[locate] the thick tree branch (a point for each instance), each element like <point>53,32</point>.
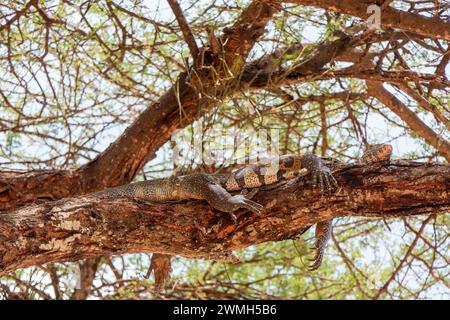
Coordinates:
<point>19,188</point>
<point>390,18</point>
<point>313,64</point>
<point>76,228</point>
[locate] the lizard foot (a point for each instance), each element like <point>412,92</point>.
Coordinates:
<point>240,201</point>
<point>317,260</point>
<point>222,200</point>
<point>245,203</point>
<point>327,183</point>
<point>320,173</point>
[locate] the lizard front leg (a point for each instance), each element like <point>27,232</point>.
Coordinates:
<point>373,154</point>
<point>322,176</point>
<point>320,173</point>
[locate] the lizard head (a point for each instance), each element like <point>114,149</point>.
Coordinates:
<point>377,153</point>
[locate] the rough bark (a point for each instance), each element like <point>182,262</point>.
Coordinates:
<point>19,188</point>
<point>390,18</point>
<point>77,228</point>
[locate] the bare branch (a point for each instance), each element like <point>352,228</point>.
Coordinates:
<point>402,261</point>
<point>425,104</point>
<point>185,29</point>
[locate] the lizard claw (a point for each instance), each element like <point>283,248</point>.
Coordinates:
<point>317,260</point>
<point>316,264</point>
<point>242,202</point>
<point>253,206</point>
<point>323,234</point>
<point>327,183</point>
<point>320,173</point>
<point>233,216</point>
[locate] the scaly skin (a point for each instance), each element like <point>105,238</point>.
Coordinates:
<point>373,154</point>
<point>215,189</point>
<point>276,170</point>
<point>322,236</point>
<point>200,186</point>
<point>376,153</point>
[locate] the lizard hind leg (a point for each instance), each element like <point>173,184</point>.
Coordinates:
<point>222,200</point>
<point>248,195</point>
<point>323,235</point>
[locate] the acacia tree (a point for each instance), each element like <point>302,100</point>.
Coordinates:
<point>92,93</point>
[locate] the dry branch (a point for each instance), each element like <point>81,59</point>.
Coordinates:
<point>185,29</point>
<point>390,17</point>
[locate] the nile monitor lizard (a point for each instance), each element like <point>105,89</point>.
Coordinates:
<point>372,154</point>
<point>216,188</point>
